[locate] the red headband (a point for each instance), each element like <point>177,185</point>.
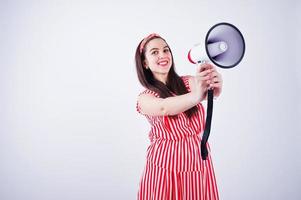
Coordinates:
<point>146,39</point>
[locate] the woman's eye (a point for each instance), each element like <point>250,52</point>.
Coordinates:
<point>166,50</point>
<point>154,52</point>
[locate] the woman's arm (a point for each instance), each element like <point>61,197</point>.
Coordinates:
<point>153,106</point>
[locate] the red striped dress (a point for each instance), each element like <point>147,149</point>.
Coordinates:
<point>174,167</point>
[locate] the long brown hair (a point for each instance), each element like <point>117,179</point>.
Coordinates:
<point>174,83</point>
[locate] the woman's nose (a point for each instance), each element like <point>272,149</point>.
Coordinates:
<point>161,54</point>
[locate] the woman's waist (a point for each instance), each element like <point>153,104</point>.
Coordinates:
<point>172,136</point>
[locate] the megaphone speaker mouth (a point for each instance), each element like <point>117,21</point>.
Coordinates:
<point>225,45</point>
<point>217,48</point>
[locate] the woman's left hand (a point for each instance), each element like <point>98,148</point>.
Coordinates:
<point>215,82</point>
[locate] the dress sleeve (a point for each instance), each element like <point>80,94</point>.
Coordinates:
<point>138,108</point>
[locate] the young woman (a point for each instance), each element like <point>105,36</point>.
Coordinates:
<point>172,104</point>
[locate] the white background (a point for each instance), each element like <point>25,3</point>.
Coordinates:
<point>68,124</point>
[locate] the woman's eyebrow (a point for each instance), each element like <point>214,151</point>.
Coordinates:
<point>153,49</point>
<point>158,48</point>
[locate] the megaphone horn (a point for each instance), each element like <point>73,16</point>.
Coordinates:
<point>224,46</point>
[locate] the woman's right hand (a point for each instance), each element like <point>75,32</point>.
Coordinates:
<point>199,84</point>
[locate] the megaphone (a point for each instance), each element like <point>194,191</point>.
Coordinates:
<point>224,46</point>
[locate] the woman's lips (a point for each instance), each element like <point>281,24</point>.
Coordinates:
<point>163,63</point>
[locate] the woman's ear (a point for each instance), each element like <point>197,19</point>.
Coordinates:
<point>145,65</point>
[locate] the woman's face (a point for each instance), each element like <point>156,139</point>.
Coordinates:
<point>158,57</point>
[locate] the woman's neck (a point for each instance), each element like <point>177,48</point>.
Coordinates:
<point>161,77</point>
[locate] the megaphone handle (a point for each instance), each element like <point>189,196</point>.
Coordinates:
<point>204,150</point>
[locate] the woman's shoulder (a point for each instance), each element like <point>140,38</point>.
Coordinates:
<point>140,96</point>
<point>186,79</point>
